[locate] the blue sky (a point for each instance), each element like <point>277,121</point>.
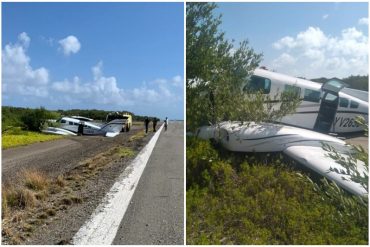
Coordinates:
<point>303,39</point>
<point>111,56</point>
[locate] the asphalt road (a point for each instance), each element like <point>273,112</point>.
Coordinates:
<point>156,212</point>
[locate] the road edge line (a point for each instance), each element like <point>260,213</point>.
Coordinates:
<point>102,226</point>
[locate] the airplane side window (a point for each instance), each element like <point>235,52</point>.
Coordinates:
<point>63,121</point>
<point>311,95</point>
<point>70,123</point>
<point>291,88</point>
<point>343,102</point>
<point>354,104</point>
<point>331,97</point>
<point>256,84</point>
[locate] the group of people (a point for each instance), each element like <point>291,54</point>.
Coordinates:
<point>154,120</point>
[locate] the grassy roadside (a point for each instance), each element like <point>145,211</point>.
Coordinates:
<point>249,200</point>
<point>139,135</point>
<point>34,199</point>
<point>17,137</point>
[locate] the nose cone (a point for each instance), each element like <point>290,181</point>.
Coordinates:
<point>206,132</point>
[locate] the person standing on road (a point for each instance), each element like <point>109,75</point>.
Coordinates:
<point>146,122</point>
<point>165,123</point>
<point>155,120</point>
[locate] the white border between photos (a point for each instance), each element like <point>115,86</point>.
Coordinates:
<point>184,86</point>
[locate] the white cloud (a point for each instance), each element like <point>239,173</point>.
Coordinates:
<point>24,39</point>
<point>178,81</point>
<point>145,95</point>
<point>317,54</point>
<point>166,87</point>
<point>284,60</point>
<point>101,91</point>
<point>73,87</point>
<point>363,21</point>
<point>70,45</point>
<point>312,37</point>
<point>324,17</point>
<point>351,34</point>
<point>286,42</point>
<point>104,90</point>
<point>97,70</point>
<point>17,74</point>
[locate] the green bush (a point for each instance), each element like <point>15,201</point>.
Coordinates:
<point>35,119</point>
<point>234,201</point>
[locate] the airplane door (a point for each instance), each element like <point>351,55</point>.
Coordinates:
<point>329,105</point>
<point>327,111</point>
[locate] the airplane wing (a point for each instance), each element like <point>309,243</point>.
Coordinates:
<point>317,159</point>
<point>58,131</point>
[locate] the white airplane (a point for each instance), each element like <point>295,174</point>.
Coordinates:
<point>328,107</point>
<point>304,146</point>
<point>69,126</point>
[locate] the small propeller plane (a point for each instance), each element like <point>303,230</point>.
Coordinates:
<point>69,126</point>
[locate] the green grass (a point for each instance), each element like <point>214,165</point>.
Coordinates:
<point>238,199</point>
<point>125,152</point>
<point>18,138</point>
<point>139,135</point>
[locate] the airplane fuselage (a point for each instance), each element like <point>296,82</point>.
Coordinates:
<point>324,107</point>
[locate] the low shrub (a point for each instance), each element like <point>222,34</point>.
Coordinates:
<point>17,198</point>
<point>60,181</point>
<point>231,199</point>
<point>35,180</point>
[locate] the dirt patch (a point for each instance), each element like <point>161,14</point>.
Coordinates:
<point>63,203</point>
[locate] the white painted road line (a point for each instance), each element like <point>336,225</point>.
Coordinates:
<point>102,227</point>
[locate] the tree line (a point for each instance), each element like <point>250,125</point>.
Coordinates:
<point>34,119</point>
